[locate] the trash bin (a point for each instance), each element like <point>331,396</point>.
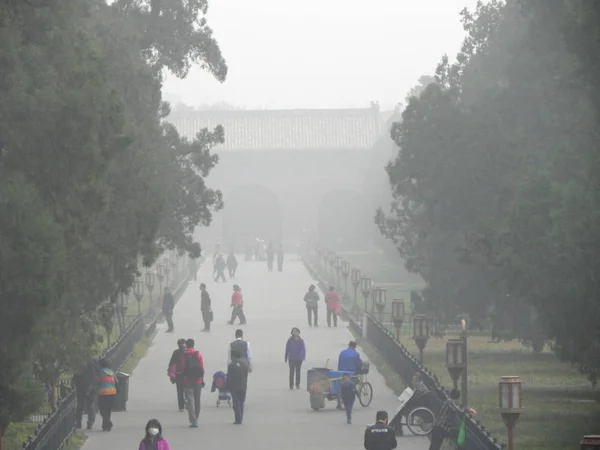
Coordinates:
<point>120,402</point>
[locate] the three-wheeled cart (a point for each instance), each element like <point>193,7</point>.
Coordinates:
<point>324,384</point>
<point>418,418</point>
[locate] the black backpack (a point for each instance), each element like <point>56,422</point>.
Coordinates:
<point>193,370</point>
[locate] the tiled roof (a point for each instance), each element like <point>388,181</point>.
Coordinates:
<point>326,129</point>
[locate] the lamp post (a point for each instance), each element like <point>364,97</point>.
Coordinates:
<point>510,403</point>
<point>338,268</point>
<point>356,279</point>
<point>331,258</point>
<point>138,291</point>
<point>455,360</point>
<point>150,281</point>
<point>380,299</point>
<point>398,315</point>
<point>464,381</point>
<point>420,333</point>
<point>365,286</point>
<point>167,271</point>
<point>345,273</point>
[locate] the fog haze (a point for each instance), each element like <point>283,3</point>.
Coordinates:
<point>323,54</point>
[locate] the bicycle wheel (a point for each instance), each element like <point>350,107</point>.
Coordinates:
<point>420,421</point>
<point>365,393</point>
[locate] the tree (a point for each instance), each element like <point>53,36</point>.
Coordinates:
<point>415,91</point>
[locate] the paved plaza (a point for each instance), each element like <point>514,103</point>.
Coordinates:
<point>275,417</point>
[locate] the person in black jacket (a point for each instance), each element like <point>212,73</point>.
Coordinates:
<point>380,436</point>
<point>86,395</point>
<point>237,383</point>
<point>175,371</point>
<point>205,307</point>
<point>168,306</point>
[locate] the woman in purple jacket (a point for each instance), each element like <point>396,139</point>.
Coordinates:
<point>154,439</point>
<point>295,353</point>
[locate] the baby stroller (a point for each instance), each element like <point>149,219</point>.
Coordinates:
<point>220,384</point>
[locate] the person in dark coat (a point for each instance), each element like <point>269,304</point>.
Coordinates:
<point>295,354</point>
<point>380,436</point>
<point>168,306</point>
<point>280,258</point>
<point>86,394</point>
<point>237,383</point>
<point>232,264</point>
<point>348,393</point>
<point>175,371</point>
<point>446,421</point>
<point>205,307</point>
<point>219,268</point>
<point>311,299</point>
<point>270,257</point>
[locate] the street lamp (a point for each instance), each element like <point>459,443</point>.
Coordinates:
<point>338,267</point>
<point>455,360</point>
<point>380,299</point>
<point>332,265</point>
<point>138,291</point>
<point>166,270</point>
<point>510,403</point>
<point>464,381</point>
<point>150,283</point>
<point>398,315</point>
<point>365,286</point>
<point>420,333</point>
<point>160,273</point>
<point>356,280</point>
<point>345,273</point>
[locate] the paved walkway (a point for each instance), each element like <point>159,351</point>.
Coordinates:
<point>275,417</point>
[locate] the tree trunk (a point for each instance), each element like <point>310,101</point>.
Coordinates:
<point>52,399</point>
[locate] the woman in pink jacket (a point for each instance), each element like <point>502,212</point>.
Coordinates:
<point>154,439</point>
<point>332,300</point>
<point>237,303</point>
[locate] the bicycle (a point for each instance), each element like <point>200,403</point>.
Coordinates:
<point>364,388</point>
<point>419,419</point>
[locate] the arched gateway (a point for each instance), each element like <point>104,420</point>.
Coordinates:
<point>282,172</point>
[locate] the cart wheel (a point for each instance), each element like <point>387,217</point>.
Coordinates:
<point>420,421</point>
<point>365,394</point>
<point>317,401</point>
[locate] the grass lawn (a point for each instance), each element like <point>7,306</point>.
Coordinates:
<point>560,405</point>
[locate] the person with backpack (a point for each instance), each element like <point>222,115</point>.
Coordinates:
<point>193,381</point>
<point>237,383</point>
<point>106,388</point>
<point>175,371</point>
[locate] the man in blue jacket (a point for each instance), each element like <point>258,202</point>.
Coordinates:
<point>349,361</point>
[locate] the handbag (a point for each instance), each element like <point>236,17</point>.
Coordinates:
<point>210,316</point>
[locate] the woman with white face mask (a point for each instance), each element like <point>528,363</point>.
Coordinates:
<point>153,439</point>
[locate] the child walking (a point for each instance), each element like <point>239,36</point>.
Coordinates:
<point>348,394</point>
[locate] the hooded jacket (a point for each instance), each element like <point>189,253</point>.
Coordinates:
<point>187,382</point>
<point>295,350</point>
<point>160,444</point>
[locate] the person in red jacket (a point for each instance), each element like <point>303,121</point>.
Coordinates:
<point>175,371</point>
<point>193,381</point>
<point>237,303</point>
<point>332,300</point>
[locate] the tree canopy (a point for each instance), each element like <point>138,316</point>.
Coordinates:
<point>495,185</point>
<point>92,178</point>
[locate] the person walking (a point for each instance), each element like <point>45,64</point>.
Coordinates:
<point>270,257</point>
<point>154,440</point>
<point>237,383</point>
<point>332,300</point>
<point>206,307</point>
<point>193,380</point>
<point>348,393</point>
<point>106,387</point>
<point>86,395</point>
<point>311,299</point>
<point>295,354</point>
<point>175,371</point>
<point>219,268</point>
<point>380,436</point>
<point>232,264</point>
<point>280,258</point>
<point>447,421</point>
<point>237,303</point>
<point>167,307</point>
<point>242,347</point>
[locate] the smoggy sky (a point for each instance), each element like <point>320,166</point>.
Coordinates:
<point>323,53</point>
